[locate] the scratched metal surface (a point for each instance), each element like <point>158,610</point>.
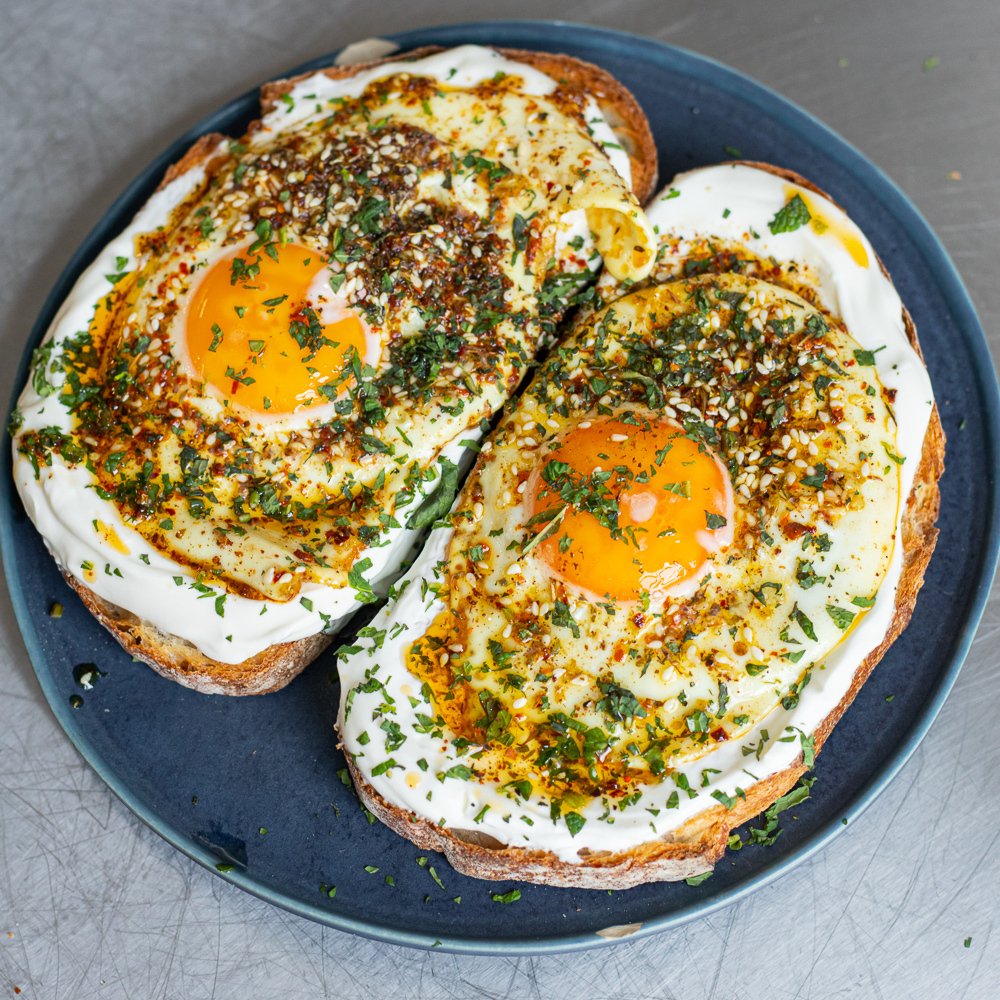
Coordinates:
<point>94,905</point>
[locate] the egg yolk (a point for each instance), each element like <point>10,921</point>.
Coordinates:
<point>636,508</point>
<point>256,332</point>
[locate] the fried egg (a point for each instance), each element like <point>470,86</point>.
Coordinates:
<point>651,591</point>
<point>244,402</point>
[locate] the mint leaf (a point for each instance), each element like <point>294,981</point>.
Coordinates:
<point>842,618</point>
<point>507,897</point>
<point>867,357</point>
<point>792,216</point>
<point>362,588</point>
<point>440,501</point>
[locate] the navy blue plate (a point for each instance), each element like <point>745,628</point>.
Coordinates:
<point>209,773</point>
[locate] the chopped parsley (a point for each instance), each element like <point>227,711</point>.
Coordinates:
<point>793,215</point>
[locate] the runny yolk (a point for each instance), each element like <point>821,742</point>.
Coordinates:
<point>671,496</point>
<point>255,330</point>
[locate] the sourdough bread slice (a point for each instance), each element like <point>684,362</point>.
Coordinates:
<point>271,669</point>
<point>698,844</point>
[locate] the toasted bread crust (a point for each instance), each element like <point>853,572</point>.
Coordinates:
<point>200,154</point>
<point>178,660</point>
<point>699,843</point>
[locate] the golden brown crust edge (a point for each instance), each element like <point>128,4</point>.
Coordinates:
<point>178,660</point>
<point>698,844</point>
<point>199,154</point>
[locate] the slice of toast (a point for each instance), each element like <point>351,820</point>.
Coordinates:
<point>698,844</point>
<point>274,667</point>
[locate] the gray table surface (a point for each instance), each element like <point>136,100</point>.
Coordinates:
<point>92,904</point>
